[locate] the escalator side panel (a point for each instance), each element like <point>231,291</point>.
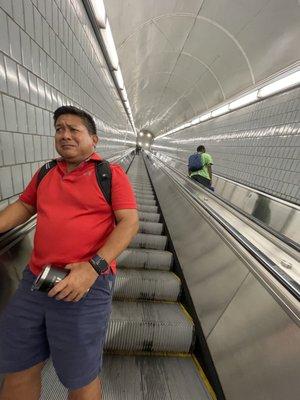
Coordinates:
<point>241,319</point>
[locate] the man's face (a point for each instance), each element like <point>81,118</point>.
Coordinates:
<point>72,139</point>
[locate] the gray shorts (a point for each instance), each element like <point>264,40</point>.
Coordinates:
<point>34,326</point>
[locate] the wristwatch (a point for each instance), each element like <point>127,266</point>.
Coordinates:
<point>99,264</point>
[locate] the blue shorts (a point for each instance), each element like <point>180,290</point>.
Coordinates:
<point>34,326</point>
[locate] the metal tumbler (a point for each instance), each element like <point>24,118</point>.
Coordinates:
<point>49,277</point>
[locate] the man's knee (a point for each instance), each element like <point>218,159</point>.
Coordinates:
<point>17,385</point>
<point>29,374</point>
<point>92,391</point>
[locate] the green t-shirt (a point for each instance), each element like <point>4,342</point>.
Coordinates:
<point>206,159</point>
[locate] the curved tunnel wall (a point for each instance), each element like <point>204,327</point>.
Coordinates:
<point>258,145</point>
<point>49,56</point>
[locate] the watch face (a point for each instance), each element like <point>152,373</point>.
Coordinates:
<point>100,262</point>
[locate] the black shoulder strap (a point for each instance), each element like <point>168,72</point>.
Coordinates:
<point>44,170</point>
<point>103,174</point>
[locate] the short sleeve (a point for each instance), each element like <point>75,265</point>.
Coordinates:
<point>122,195</point>
<point>208,159</point>
<point>29,196</point>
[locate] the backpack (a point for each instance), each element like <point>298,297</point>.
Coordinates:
<point>195,162</point>
<point>103,175</point>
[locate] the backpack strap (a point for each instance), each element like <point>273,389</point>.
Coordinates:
<point>44,170</point>
<point>103,175</point>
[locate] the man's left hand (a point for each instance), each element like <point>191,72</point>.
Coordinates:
<point>75,285</point>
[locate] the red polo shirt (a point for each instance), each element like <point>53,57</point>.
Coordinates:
<point>73,217</point>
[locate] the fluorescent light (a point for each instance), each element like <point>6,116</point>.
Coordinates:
<point>184,126</point>
<point>119,78</point>
<point>140,143</point>
<point>99,12</point>
<point>242,101</point>
<point>124,95</point>
<point>281,84</point>
<point>195,121</point>
<point>204,117</point>
<point>110,46</point>
<point>149,134</point>
<point>147,144</point>
<point>141,134</point>
<point>221,110</point>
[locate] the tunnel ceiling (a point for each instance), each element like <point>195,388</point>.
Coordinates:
<point>182,57</point>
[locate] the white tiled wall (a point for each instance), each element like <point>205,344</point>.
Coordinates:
<point>49,56</point>
<point>258,145</point>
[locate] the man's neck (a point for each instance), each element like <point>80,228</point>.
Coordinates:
<point>73,165</point>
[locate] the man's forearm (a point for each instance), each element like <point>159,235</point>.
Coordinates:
<point>118,240</point>
<point>13,215</point>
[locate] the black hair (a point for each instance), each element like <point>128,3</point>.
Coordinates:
<point>201,148</point>
<point>86,118</point>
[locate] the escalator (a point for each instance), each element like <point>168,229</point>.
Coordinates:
<point>235,284</point>
<point>150,338</point>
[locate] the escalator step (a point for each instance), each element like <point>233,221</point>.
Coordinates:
<point>144,208</point>
<point>146,202</point>
<point>154,228</point>
<point>150,327</point>
<point>146,259</point>
<point>146,285</point>
<point>146,216</point>
<point>138,378</point>
<point>147,241</point>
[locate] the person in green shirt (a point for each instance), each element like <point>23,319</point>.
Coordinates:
<point>204,175</point>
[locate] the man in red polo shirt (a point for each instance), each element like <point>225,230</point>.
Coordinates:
<point>78,230</point>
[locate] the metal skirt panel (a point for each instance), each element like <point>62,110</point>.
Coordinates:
<point>151,217</point>
<point>147,285</point>
<point>145,258</point>
<point>154,228</point>
<point>147,241</point>
<point>150,327</point>
<point>137,378</point>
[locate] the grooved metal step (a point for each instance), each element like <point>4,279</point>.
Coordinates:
<point>138,378</point>
<point>146,216</point>
<point>141,185</point>
<point>145,259</point>
<point>143,191</point>
<point>147,241</point>
<point>146,202</point>
<point>144,208</point>
<point>145,196</point>
<point>154,228</point>
<point>147,285</point>
<point>148,326</point>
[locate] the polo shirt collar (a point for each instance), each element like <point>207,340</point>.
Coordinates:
<point>63,166</point>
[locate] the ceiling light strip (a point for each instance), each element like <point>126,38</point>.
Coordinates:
<point>96,11</point>
<point>276,86</point>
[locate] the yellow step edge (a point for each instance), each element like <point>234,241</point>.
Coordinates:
<point>204,379</point>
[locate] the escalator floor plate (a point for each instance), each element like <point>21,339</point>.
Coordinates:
<point>139,378</point>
